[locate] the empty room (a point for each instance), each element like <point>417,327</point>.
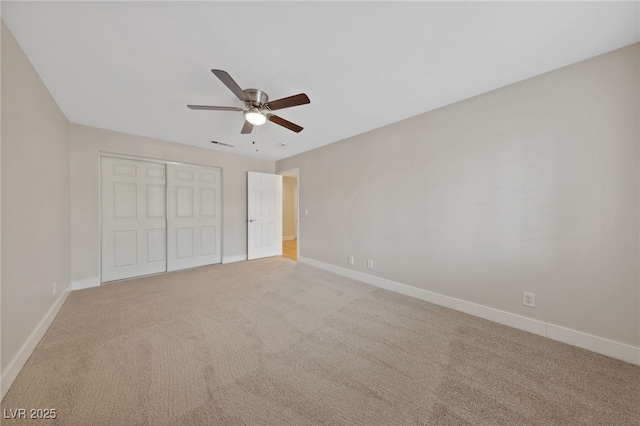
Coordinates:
<point>339,213</point>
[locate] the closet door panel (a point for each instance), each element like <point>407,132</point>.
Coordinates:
<point>194,216</point>
<point>133,218</point>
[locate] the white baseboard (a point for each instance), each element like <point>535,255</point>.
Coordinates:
<point>593,343</point>
<point>16,364</point>
<point>590,342</point>
<point>232,259</point>
<point>86,283</point>
<point>289,238</point>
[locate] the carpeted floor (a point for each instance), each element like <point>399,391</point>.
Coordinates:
<point>277,342</point>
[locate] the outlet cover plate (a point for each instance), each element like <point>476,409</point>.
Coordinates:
<point>529,299</point>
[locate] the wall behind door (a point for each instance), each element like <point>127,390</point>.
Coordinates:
<point>86,143</point>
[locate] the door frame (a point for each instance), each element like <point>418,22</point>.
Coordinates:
<point>159,161</point>
<point>295,173</point>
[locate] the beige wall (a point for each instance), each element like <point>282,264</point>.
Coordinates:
<point>288,206</point>
<point>35,200</point>
<point>532,187</point>
<point>86,145</point>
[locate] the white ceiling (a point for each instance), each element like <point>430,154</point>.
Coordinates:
<point>134,66</point>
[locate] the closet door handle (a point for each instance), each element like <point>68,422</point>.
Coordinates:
<point>252,220</point>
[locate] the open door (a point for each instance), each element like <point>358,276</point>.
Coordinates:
<point>264,208</point>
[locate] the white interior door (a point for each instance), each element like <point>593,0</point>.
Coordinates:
<point>194,216</point>
<point>133,218</point>
<point>264,206</point>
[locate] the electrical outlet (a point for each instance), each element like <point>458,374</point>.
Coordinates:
<point>370,264</point>
<point>54,289</point>
<point>351,260</point>
<point>529,299</point>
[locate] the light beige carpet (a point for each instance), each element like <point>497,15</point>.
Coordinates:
<point>277,342</point>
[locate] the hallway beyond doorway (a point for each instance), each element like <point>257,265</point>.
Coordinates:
<point>290,249</point>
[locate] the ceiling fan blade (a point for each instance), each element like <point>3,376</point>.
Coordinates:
<point>214,108</point>
<point>247,128</point>
<point>284,123</point>
<point>231,84</point>
<point>291,101</point>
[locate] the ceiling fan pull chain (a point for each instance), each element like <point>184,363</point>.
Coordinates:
<point>256,137</point>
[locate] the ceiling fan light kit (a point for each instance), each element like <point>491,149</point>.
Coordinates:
<point>255,117</point>
<point>257,105</point>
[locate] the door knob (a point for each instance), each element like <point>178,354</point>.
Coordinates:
<point>252,220</point>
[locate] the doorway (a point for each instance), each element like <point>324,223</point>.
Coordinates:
<point>290,231</point>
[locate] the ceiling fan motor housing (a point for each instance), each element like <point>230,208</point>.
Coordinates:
<point>256,97</point>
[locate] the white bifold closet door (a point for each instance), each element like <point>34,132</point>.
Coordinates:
<point>158,217</point>
<point>194,220</point>
<point>134,222</point>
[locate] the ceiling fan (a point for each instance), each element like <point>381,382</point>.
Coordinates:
<point>257,105</point>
